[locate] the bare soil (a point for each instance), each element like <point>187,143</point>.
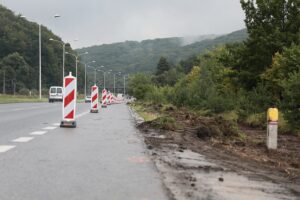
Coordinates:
<point>224,160</point>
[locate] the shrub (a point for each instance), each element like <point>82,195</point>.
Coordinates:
<point>24,91</point>
<point>155,95</point>
<point>291,100</point>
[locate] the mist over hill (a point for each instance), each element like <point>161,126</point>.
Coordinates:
<point>133,56</point>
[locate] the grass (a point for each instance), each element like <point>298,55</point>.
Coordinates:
<point>20,99</point>
<point>147,115</point>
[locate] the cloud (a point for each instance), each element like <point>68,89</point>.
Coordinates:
<point>107,21</point>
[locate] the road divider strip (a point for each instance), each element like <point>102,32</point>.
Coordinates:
<point>23,139</point>
<point>5,148</point>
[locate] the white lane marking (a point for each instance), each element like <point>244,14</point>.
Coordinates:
<point>82,114</point>
<point>5,148</point>
<point>23,139</point>
<point>38,133</point>
<point>50,128</point>
<point>19,109</point>
<point>56,124</point>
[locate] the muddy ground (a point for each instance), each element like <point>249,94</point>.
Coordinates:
<point>198,162</point>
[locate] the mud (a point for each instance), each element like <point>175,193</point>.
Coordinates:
<point>190,175</point>
<point>216,169</point>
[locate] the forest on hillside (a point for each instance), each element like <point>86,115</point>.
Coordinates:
<point>133,56</point>
<point>19,55</point>
<point>239,81</point>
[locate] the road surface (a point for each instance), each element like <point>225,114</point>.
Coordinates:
<point>103,158</point>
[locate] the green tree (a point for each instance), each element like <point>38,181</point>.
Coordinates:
<point>139,85</point>
<point>162,66</point>
<point>291,99</point>
<point>17,70</point>
<point>272,25</point>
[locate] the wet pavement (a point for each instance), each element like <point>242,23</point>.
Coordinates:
<point>104,158</point>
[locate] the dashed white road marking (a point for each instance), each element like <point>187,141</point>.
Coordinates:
<point>50,128</point>
<point>5,148</point>
<point>56,124</point>
<point>23,139</point>
<point>38,133</point>
<point>82,114</point>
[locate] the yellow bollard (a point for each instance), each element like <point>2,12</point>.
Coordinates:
<point>272,128</point>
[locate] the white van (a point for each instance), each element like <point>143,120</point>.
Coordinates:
<point>55,94</point>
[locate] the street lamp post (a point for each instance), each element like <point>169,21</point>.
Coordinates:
<point>125,85</point>
<point>64,50</point>
<point>115,81</point>
<point>40,58</point>
<point>85,66</point>
<point>76,60</point>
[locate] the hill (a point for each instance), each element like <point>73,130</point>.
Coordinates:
<point>133,56</point>
<point>19,57</point>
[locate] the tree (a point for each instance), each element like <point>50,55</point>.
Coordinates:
<point>139,85</point>
<point>162,66</point>
<point>272,25</point>
<point>17,70</point>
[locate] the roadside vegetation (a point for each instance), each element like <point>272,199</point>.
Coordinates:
<point>237,82</point>
<point>20,99</point>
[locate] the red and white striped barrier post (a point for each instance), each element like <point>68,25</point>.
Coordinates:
<point>108,98</point>
<point>69,102</point>
<point>95,99</point>
<point>104,97</point>
<point>111,98</point>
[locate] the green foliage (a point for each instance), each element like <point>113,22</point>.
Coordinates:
<point>272,25</point>
<point>257,120</point>
<point>240,81</point>
<point>166,122</point>
<point>162,66</point>
<point>282,65</point>
<point>139,85</point>
<point>291,99</point>
<point>156,95</point>
<point>19,57</point>
<point>133,57</point>
<point>24,91</point>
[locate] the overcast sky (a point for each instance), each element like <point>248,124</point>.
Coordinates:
<point>108,21</point>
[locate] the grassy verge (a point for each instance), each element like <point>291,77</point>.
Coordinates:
<point>146,114</point>
<point>20,99</point>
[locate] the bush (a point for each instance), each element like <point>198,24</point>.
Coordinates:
<point>24,91</point>
<point>257,120</point>
<point>155,95</point>
<point>139,85</point>
<point>291,100</point>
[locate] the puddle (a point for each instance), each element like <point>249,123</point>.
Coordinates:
<point>191,176</point>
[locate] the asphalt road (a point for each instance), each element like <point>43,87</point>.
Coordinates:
<point>103,158</point>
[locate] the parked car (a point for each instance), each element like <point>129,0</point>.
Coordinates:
<point>55,94</point>
<point>87,99</point>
